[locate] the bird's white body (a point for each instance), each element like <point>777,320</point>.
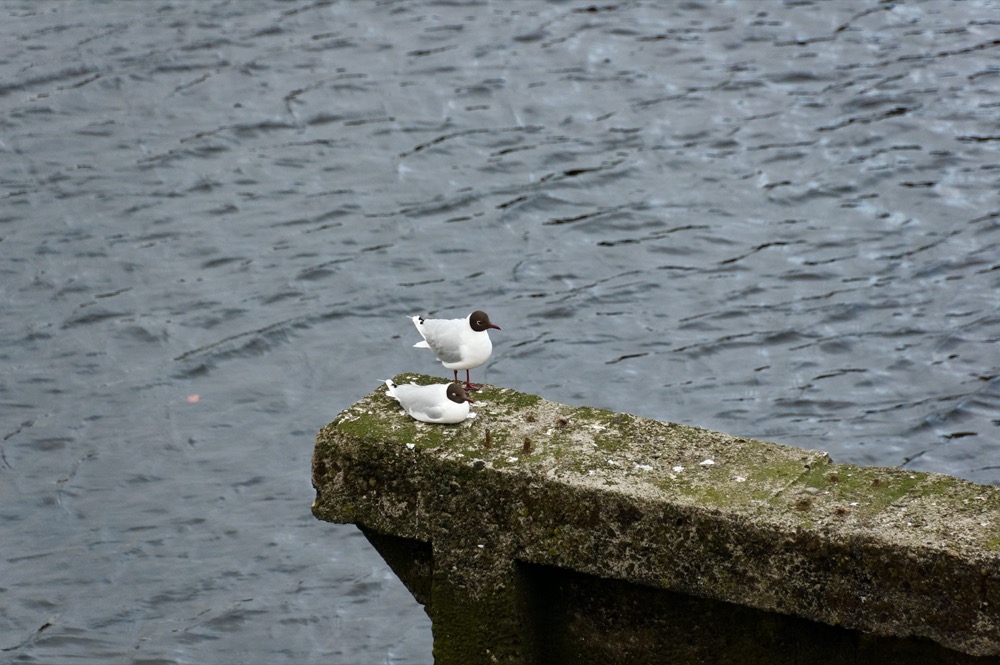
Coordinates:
<point>429,404</point>
<point>458,343</point>
<point>454,342</point>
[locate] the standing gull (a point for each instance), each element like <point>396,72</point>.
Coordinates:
<point>444,403</point>
<point>458,343</point>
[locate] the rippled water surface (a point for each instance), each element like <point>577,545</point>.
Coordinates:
<point>774,219</point>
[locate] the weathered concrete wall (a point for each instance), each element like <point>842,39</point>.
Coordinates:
<point>480,518</point>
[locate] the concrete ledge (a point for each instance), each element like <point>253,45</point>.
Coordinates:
<point>479,518</point>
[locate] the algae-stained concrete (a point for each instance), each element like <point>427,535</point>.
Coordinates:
<point>533,485</point>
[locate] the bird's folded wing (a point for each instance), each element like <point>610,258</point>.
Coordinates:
<point>443,341</point>
<point>434,412</point>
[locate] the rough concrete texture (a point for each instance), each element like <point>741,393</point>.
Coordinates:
<point>617,497</point>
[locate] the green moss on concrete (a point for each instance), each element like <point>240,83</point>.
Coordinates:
<point>868,489</point>
<point>669,506</point>
<point>512,400</point>
<point>491,628</point>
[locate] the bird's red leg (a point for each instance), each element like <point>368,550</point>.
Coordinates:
<point>468,384</point>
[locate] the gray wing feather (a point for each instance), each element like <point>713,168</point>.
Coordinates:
<point>434,413</point>
<point>436,332</point>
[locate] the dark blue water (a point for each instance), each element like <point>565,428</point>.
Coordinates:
<point>775,219</point>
